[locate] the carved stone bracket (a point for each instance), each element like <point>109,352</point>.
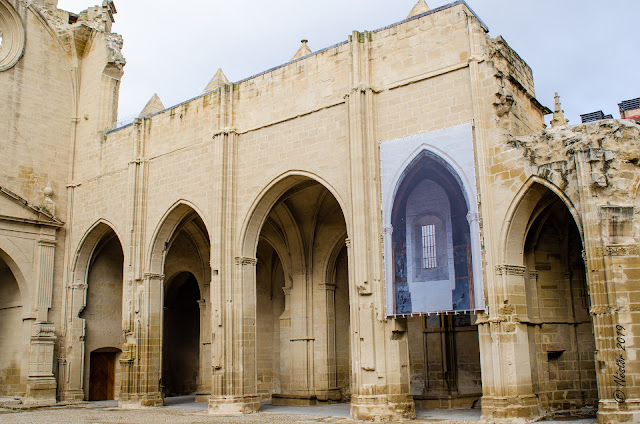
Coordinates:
<point>44,329</point>
<point>246,261</point>
<point>152,276</point>
<point>618,250</point>
<point>510,270</point>
<point>327,286</point>
<point>473,217</point>
<point>225,131</point>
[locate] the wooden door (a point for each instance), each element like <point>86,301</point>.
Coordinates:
<point>102,376</point>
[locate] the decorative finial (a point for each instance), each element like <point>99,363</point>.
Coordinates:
<point>558,114</point>
<point>302,51</point>
<point>420,8</point>
<point>49,204</point>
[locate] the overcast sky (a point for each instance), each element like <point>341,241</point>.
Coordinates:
<point>587,50</point>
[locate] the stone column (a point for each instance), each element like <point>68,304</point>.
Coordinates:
<point>74,381</point>
<point>611,258</point>
<point>616,317</point>
<point>204,378</point>
<point>41,385</point>
<point>507,383</point>
<point>326,368</point>
<point>142,363</point>
<point>285,340</point>
<point>234,388</point>
<point>380,360</point>
<point>301,340</point>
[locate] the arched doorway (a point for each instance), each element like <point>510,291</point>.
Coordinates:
<point>302,296</point>
<point>181,336</point>
<point>433,282</point>
<point>14,334</point>
<point>182,252</point>
<point>561,335</point>
<point>102,314</point>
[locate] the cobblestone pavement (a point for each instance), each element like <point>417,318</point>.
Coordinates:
<point>191,413</point>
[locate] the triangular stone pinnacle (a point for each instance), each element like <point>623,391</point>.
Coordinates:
<point>218,80</point>
<point>153,105</point>
<point>419,8</point>
<point>302,51</point>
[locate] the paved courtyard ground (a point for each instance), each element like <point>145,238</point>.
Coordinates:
<point>182,410</point>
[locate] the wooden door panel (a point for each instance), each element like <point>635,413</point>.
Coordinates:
<point>102,376</point>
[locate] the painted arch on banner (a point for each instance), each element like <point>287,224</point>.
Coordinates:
<point>431,233</point>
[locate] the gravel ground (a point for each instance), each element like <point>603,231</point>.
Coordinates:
<point>97,414</point>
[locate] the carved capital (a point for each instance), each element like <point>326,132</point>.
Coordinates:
<point>44,330</point>
<point>619,250</point>
<point>473,217</point>
<point>225,131</point>
<point>246,261</point>
<point>510,270</point>
<point>153,276</point>
<point>299,271</point>
<point>327,286</point>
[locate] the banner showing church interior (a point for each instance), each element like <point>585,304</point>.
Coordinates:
<point>432,258</point>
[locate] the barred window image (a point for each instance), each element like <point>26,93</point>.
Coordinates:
<point>429,259</point>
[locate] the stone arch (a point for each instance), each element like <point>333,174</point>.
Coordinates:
<point>180,244</point>
<point>545,282</point>
<point>329,261</point>
<point>168,227</point>
<point>16,321</point>
<point>84,253</point>
<point>280,249</point>
<point>519,217</point>
<point>181,351</point>
<point>264,202</point>
<point>18,266</point>
<point>86,332</point>
<point>299,215</point>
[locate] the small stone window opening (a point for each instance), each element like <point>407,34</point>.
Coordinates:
<point>1,39</point>
<point>429,256</point>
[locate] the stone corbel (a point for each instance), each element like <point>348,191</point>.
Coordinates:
<point>510,270</point>
<point>246,261</point>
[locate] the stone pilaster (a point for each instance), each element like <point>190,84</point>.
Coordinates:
<point>142,367</point>
<point>326,378</point>
<point>507,383</point>
<point>204,383</point>
<point>380,378</point>
<point>234,388</point>
<point>41,385</point>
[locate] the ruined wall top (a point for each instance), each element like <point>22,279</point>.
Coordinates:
<point>74,29</point>
<point>610,147</point>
